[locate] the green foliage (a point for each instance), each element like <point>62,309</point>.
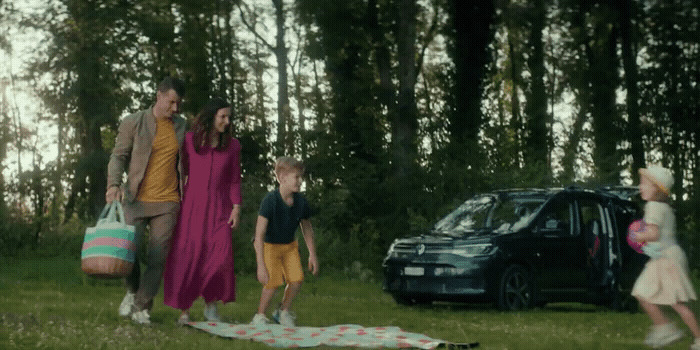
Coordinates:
<point>18,238</point>
<point>15,237</point>
<point>688,234</point>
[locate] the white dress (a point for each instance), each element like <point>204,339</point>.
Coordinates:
<point>664,280</point>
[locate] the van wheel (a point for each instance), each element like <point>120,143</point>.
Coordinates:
<point>515,290</point>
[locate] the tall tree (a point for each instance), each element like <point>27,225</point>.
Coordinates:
<point>284,144</point>
<point>595,25</point>
<point>628,11</point>
<point>470,32</point>
<point>4,141</point>
<point>405,124</point>
<point>513,17</point>
<point>90,44</point>
<point>538,119</point>
<point>472,24</point>
<point>355,172</point>
<point>194,57</point>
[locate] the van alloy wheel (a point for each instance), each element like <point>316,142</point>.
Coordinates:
<point>515,289</point>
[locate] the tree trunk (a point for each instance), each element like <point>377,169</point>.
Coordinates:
<point>516,118</point>
<point>4,140</point>
<point>406,124</point>
<point>675,154</point>
<point>285,141</point>
<point>629,55</point>
<point>195,58</point>
<point>472,21</point>
<point>537,141</point>
<point>38,189</point>
<point>601,55</point>
<point>301,106</point>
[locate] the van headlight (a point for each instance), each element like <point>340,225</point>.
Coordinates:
<point>473,250</point>
<point>391,252</point>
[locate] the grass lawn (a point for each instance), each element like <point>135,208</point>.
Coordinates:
<point>49,304</point>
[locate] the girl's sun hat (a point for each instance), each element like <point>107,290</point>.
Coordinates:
<point>660,176</point>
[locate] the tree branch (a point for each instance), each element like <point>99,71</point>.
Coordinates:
<point>252,30</point>
<point>429,36</point>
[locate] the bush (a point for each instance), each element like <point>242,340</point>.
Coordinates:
<point>15,236</point>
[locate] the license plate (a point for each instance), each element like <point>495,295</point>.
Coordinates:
<point>413,271</point>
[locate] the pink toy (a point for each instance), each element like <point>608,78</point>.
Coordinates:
<point>636,227</point>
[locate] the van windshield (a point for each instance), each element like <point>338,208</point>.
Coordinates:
<point>500,214</point>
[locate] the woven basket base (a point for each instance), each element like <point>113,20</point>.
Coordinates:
<point>106,267</point>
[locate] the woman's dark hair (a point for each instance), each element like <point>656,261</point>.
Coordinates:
<point>204,125</point>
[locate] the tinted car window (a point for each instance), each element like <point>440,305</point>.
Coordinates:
<point>591,216</point>
<point>502,214</point>
<point>558,218</point>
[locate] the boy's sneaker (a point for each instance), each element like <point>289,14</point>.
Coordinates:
<point>287,318</point>
<point>127,304</point>
<point>696,345</point>
<point>663,335</point>
<point>210,313</point>
<point>260,319</point>
<point>141,317</point>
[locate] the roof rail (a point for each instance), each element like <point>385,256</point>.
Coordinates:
<point>621,191</point>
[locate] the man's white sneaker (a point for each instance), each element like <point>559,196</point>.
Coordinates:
<point>210,313</point>
<point>141,317</point>
<point>287,318</point>
<point>695,345</point>
<point>127,304</point>
<point>260,319</point>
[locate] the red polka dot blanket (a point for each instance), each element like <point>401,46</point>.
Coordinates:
<point>341,335</point>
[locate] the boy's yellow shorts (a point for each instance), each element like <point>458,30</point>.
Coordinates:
<point>283,263</point>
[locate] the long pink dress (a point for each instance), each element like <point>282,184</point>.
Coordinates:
<point>200,262</point>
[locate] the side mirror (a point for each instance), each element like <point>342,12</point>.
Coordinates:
<point>551,224</point>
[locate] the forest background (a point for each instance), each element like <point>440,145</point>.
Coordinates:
<point>401,109</point>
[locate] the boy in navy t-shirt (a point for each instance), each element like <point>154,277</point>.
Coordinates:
<point>276,249</point>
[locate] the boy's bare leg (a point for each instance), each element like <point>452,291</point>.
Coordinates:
<point>290,292</point>
<point>265,297</point>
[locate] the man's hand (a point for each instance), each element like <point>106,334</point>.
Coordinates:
<point>313,265</point>
<point>113,193</point>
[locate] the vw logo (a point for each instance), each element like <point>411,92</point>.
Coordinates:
<point>420,249</point>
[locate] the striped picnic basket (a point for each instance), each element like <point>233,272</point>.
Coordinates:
<point>109,247</point>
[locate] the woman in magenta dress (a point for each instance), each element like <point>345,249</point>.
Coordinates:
<point>200,263</point>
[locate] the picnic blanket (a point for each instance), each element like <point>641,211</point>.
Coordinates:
<point>349,335</point>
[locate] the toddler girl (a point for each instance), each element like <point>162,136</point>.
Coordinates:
<point>664,280</point>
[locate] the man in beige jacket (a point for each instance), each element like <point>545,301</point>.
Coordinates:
<point>147,149</point>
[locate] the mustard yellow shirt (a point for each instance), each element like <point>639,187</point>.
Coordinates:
<point>160,181</point>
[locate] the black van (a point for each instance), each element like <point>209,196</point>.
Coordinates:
<point>521,248</point>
